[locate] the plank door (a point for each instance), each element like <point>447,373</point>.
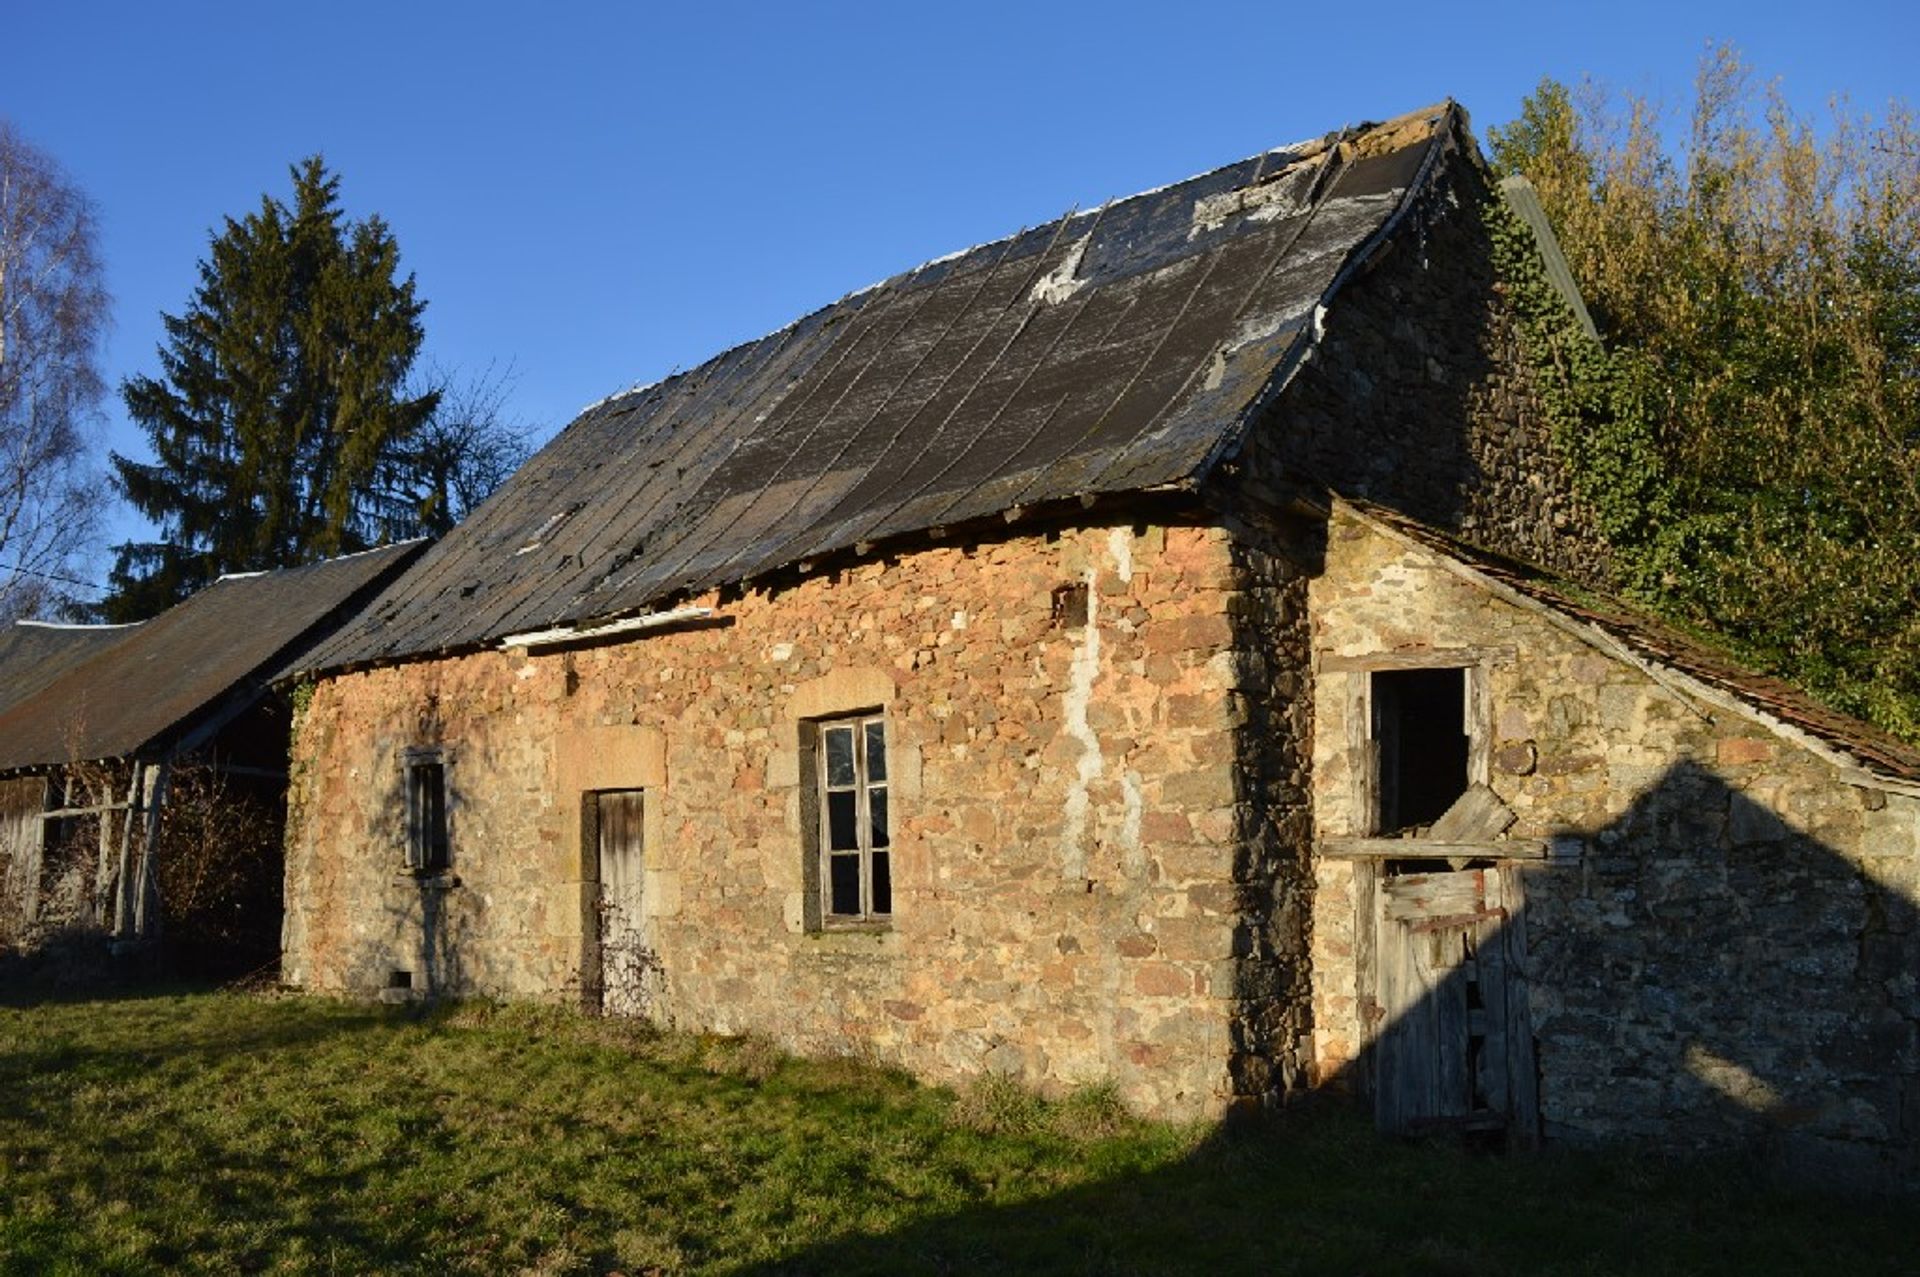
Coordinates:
<point>627,962</point>
<point>1456,1047</point>
<point>22,837</point>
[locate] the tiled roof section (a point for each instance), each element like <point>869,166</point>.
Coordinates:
<point>34,654</point>
<point>125,695</point>
<point>1661,645</point>
<point>1110,351</point>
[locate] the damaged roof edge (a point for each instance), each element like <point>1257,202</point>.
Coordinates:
<point>1450,135</point>
<point>961,388</point>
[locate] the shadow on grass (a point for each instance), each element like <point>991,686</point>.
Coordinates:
<point>72,974</point>
<point>1317,1191</point>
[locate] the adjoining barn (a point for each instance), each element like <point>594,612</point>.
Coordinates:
<point>140,757</point>
<point>1102,655</point>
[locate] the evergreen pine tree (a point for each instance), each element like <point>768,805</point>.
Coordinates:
<point>280,423</point>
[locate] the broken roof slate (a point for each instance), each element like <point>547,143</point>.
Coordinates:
<point>118,697</point>
<point>1113,350</point>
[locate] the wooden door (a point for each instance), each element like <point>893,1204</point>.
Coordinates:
<point>627,963</point>
<point>1455,1049</point>
<point>22,836</point>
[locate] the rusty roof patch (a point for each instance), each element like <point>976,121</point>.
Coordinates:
<point>106,697</point>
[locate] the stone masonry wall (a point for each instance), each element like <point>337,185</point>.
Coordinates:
<point>1419,397</point>
<point>1272,1049</point>
<point>1065,823</point>
<point>1723,949</point>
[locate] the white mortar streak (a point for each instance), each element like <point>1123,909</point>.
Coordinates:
<point>1120,545</point>
<point>1078,696</point>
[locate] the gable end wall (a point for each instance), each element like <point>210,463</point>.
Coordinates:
<point>1724,949</point>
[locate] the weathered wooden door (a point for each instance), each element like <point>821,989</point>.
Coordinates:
<point>1455,1049</point>
<point>22,837</point>
<point>627,963</point>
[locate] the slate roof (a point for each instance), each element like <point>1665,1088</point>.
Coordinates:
<point>1662,645</point>
<point>35,653</point>
<point>116,691</point>
<point>1114,350</point>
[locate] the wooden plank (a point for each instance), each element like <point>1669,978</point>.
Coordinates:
<point>1478,717</point>
<point>1363,755</point>
<point>1523,1083</point>
<point>23,837</point>
<point>1490,970</point>
<point>153,793</point>
<point>123,856</point>
<point>1366,971</point>
<point>63,813</point>
<point>1427,849</point>
<point>1417,659</point>
<point>1442,955</point>
<point>1408,1053</point>
<point>623,950</point>
<point>1460,894</point>
<point>1477,816</point>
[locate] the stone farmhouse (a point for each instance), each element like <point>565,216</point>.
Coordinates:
<point>1138,649</point>
<point>101,726</point>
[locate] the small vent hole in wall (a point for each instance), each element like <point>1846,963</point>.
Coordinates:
<point>399,979</point>
<point>1070,605</point>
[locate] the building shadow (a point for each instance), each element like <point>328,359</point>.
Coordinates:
<point>1698,976</point>
<point>1704,983</point>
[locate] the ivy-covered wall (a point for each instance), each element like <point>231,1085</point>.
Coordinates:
<point>1421,396</point>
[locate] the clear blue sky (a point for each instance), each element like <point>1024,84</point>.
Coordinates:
<point>599,194</point>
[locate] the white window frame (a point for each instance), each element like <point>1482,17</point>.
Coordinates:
<point>863,787</point>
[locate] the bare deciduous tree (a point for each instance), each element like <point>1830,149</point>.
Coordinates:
<point>53,309</point>
<point>467,449</point>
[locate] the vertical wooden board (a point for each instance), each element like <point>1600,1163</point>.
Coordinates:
<point>1478,717</point>
<point>1442,954</point>
<point>1366,972</point>
<point>1523,1083</point>
<point>1396,1097</point>
<point>23,799</point>
<point>1489,956</point>
<point>1362,755</point>
<point>1410,1072</point>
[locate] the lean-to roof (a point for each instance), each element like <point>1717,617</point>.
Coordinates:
<point>35,653</point>
<point>1656,647</point>
<point>130,692</point>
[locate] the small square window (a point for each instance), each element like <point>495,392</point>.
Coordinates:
<point>427,846</point>
<point>854,835</point>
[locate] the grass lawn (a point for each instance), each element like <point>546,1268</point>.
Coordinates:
<point>234,1133</point>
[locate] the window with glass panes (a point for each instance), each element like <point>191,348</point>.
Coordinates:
<point>856,878</point>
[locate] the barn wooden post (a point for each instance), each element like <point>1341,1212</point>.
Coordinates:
<point>153,796</point>
<point>123,877</point>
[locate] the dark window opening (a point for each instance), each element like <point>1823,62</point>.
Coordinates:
<point>1420,733</point>
<point>1072,605</point>
<point>427,815</point>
